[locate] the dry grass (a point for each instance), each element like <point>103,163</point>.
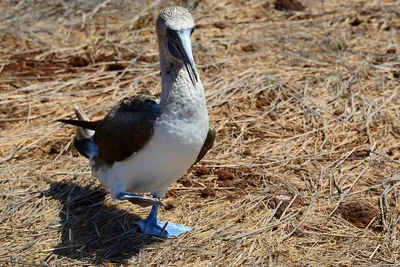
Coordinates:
<point>305,169</point>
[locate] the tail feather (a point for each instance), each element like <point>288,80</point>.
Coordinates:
<point>82,133</point>
<point>91,125</point>
<point>80,114</point>
<point>86,147</point>
<point>83,141</point>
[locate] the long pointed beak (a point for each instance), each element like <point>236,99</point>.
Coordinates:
<point>182,44</point>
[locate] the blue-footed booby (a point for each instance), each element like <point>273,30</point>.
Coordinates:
<point>144,145</point>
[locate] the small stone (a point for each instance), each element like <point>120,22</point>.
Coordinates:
<point>185,182</point>
<point>224,174</point>
<point>208,192</point>
<point>115,67</point>
<point>358,213</point>
<point>248,48</point>
<point>169,206</point>
<point>247,152</point>
<point>391,50</point>
<point>355,22</point>
<point>338,112</point>
<point>79,61</point>
<point>289,5</point>
<point>55,149</point>
<point>220,25</point>
<point>203,170</point>
<point>262,102</point>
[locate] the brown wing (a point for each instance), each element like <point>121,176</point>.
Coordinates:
<point>126,128</point>
<point>208,143</point>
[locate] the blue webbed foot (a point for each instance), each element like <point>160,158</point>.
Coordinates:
<point>140,200</point>
<point>162,229</point>
<point>154,227</point>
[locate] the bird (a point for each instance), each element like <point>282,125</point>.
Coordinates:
<point>144,144</point>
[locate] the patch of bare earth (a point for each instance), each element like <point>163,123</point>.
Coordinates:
<point>305,98</point>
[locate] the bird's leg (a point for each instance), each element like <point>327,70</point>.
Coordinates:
<point>140,200</point>
<point>154,227</point>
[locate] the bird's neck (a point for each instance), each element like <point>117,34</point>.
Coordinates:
<point>178,91</point>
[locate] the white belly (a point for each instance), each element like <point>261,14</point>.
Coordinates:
<point>171,151</point>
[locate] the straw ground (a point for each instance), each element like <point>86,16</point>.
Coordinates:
<point>305,99</point>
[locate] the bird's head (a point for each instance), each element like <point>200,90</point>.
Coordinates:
<point>174,27</point>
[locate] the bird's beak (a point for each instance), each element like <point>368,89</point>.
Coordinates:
<point>181,47</point>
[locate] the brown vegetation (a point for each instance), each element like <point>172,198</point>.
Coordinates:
<point>305,168</point>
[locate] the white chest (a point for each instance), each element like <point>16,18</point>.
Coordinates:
<point>178,137</point>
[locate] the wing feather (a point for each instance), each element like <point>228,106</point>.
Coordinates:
<point>126,128</point>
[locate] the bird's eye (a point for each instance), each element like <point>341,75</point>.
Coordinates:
<point>192,30</point>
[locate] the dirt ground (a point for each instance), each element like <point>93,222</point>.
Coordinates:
<point>305,99</point>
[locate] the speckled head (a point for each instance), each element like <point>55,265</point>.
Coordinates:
<point>175,26</point>
<point>175,18</point>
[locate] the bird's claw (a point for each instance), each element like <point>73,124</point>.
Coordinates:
<point>140,200</point>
